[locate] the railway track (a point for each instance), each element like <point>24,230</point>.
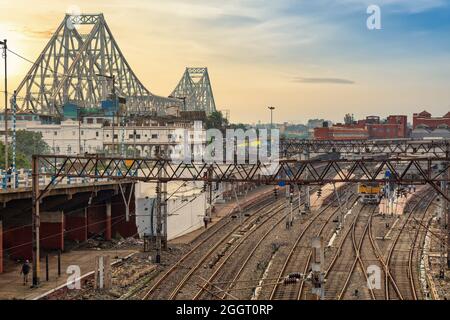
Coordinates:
<point>344,269</point>
<point>232,260</point>
<point>258,248</point>
<point>299,253</point>
<point>197,257</point>
<point>401,259</point>
<point>353,244</point>
<point>201,245</point>
<point>181,273</point>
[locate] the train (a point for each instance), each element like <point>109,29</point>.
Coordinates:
<point>369,192</point>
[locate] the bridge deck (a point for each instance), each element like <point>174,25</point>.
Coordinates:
<point>59,189</point>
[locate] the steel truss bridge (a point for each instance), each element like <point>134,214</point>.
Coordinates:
<point>195,90</point>
<point>293,147</point>
<point>85,67</point>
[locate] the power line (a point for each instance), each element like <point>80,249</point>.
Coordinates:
<point>48,68</point>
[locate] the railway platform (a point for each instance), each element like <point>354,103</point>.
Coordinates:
<point>11,281</point>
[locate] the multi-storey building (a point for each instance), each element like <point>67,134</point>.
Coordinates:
<point>425,120</point>
<point>103,134</point>
<point>394,127</point>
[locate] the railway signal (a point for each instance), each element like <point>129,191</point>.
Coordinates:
<point>317,264</point>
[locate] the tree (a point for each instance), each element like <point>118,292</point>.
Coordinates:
<point>216,120</point>
<point>238,126</point>
<point>348,119</point>
<point>27,144</point>
<point>21,160</point>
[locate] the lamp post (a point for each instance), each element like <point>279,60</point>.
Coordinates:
<point>5,48</point>
<point>271,116</point>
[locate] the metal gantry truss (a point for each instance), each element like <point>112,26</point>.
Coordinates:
<point>72,68</point>
<point>400,170</point>
<point>292,147</point>
<point>196,91</point>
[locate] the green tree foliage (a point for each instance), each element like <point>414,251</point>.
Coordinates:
<point>239,126</point>
<point>27,144</point>
<point>216,120</point>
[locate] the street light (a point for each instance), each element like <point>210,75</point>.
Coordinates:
<point>5,47</point>
<point>271,116</point>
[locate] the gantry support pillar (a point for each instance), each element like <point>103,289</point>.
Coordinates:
<point>108,222</point>
<point>1,246</point>
<point>35,221</point>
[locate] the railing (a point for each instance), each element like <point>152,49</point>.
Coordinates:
<point>23,179</point>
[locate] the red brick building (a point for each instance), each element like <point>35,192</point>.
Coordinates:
<point>394,127</point>
<point>340,133</point>
<point>425,118</point>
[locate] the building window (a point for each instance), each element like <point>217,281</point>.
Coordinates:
<point>130,136</point>
<point>82,132</point>
<point>90,120</point>
<point>154,136</point>
<point>138,136</point>
<point>96,133</point>
<point>55,133</point>
<point>115,136</point>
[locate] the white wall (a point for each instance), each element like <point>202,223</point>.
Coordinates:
<point>185,208</point>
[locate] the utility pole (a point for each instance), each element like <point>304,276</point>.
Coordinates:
<point>5,48</point>
<point>35,220</point>
<point>79,131</point>
<point>161,210</point>
<point>307,197</point>
<point>447,212</point>
<point>14,170</point>
<point>271,125</point>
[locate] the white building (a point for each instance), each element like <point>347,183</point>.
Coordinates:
<point>97,134</point>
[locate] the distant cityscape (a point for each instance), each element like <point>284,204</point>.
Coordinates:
<point>423,126</point>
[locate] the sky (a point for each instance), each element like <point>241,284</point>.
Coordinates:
<point>308,59</point>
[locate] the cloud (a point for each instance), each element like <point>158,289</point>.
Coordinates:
<point>46,34</point>
<point>323,80</point>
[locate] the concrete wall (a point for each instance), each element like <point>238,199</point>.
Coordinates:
<point>76,226</point>
<point>17,242</point>
<point>185,209</point>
